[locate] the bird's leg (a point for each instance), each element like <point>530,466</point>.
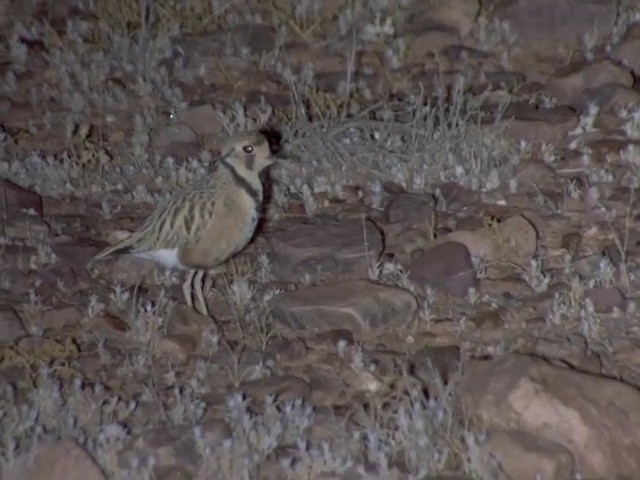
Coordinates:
<point>187,287</point>
<point>200,303</point>
<point>208,281</point>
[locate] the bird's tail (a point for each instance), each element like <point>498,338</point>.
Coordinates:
<point>122,247</point>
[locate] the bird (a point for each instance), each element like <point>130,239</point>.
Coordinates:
<point>208,222</point>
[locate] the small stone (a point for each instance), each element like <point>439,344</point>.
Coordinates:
<point>605,299</point>
<point>165,137</point>
<point>446,267</point>
<point>287,349</point>
<point>176,348</point>
<point>203,120</point>
<point>358,306</point>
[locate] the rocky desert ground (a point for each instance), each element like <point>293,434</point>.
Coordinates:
<point>446,277</point>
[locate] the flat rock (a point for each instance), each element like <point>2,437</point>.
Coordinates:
<point>358,306</point>
<point>282,387</point>
<point>60,460</point>
<point>15,198</point>
<point>595,418</point>
<point>523,455</point>
<point>526,122</point>
<point>342,249</point>
<point>569,84</point>
<point>547,30</point>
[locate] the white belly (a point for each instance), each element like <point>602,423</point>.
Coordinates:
<point>167,257</point>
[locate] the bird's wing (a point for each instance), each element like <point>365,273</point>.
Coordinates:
<point>172,226</point>
<point>177,224</point>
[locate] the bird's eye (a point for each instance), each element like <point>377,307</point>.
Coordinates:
<point>247,149</point>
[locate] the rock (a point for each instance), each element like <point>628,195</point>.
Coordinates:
<point>358,306</point>
<point>24,226</point>
<point>458,14</point>
<point>178,149</point>
<point>18,256</point>
<point>58,460</point>
<point>329,340</point>
<point>57,318</point>
<point>611,97</point>
<point>11,327</point>
<point>326,385</point>
<point>204,54</point>
<point>300,55</point>
<point>533,172</point>
<point>548,31</point>
<point>341,249</point>
<point>54,278</point>
<point>627,50</point>
<point>605,299</point>
<point>287,350</point>
<point>174,448</point>
<point>203,120</point>
<point>77,253</point>
<point>490,319</point>
<point>456,197</point>
<point>443,361</point>
<point>14,198</point>
<point>595,418</point>
<point>522,455</point>
<point>176,348</point>
<point>412,209</point>
<point>446,267</point>
<point>283,387</point>
<point>174,138</point>
<point>428,39</point>
<point>513,240</point>
<point>571,84</point>
<point>526,122</point>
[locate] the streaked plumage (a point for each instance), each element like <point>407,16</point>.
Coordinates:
<point>208,223</point>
